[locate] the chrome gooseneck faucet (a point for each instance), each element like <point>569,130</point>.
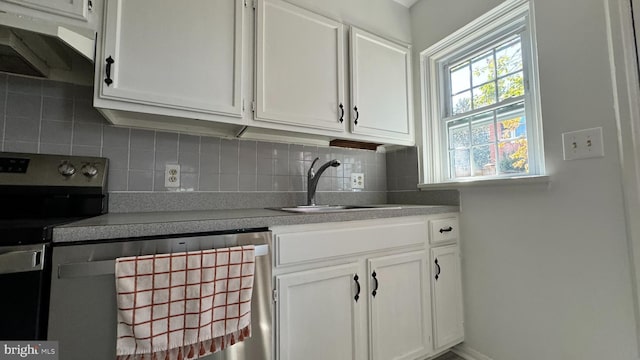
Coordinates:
<point>313,177</point>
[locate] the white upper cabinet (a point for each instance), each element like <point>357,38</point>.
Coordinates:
<point>300,82</point>
<point>381,95</point>
<point>299,67</point>
<point>174,58</point>
<point>51,9</point>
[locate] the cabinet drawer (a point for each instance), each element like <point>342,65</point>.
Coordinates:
<point>305,243</point>
<point>443,230</point>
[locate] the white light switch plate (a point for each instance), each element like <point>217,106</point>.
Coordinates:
<point>583,144</point>
<point>357,181</point>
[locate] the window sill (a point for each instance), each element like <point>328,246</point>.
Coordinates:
<point>519,180</point>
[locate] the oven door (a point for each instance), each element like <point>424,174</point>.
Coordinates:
<point>24,283</point>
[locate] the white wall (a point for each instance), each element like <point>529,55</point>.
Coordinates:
<point>383,17</point>
<point>546,271</point>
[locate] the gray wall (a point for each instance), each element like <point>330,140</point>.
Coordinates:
<point>41,116</point>
<point>546,273</point>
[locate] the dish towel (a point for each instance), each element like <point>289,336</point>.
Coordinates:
<point>183,305</point>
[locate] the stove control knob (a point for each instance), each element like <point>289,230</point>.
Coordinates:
<point>89,170</point>
<point>66,169</point>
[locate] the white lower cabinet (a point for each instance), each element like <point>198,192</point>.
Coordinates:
<point>359,290</point>
<point>447,297</point>
<point>399,306</point>
<point>318,317</point>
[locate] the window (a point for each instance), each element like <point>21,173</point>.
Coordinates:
<point>480,100</point>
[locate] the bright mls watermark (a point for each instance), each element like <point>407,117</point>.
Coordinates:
<point>33,349</point>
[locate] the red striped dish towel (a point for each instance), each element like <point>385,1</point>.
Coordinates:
<point>183,305</point>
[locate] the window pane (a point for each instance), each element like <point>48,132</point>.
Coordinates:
<point>483,130</point>
<point>461,103</point>
<point>509,57</point>
<point>514,157</point>
<point>458,134</point>
<point>460,166</point>
<point>511,86</point>
<point>484,95</point>
<point>511,122</point>
<point>484,160</point>
<point>483,68</point>
<point>460,78</point>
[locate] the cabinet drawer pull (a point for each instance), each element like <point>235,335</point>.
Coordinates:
<point>341,113</point>
<point>447,229</point>
<point>437,270</point>
<point>108,80</point>
<point>375,289</point>
<point>355,278</point>
<point>355,108</point>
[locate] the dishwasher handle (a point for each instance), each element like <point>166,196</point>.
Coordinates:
<point>108,267</point>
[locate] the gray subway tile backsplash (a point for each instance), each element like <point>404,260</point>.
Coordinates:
<point>3,102</point>
<point>84,112</point>
<point>55,149</point>
<point>167,142</point>
<point>87,134</point>
<point>24,85</point>
<point>20,146</point>
<point>142,159</point>
<point>54,117</point>
<point>55,132</point>
<point>86,150</point>
<point>115,137</point>
<point>59,109</point>
<point>209,182</point>
<point>140,180</point>
<point>57,89</point>
<point>189,162</point>
<point>189,143</point>
<point>23,105</point>
<point>118,157</point>
<point>229,182</point>
<point>228,157</point>
<point>22,129</point>
<point>142,139</point>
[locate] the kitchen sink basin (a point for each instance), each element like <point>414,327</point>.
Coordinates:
<point>336,208</point>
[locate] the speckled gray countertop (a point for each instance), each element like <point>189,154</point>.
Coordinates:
<point>131,225</point>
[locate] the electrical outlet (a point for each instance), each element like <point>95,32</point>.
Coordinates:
<point>172,176</point>
<point>583,144</point>
<point>357,181</point>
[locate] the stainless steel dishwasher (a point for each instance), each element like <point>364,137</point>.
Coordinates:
<point>82,313</point>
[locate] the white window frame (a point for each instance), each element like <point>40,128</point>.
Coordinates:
<point>512,16</point>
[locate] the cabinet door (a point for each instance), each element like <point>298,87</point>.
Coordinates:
<point>381,103</point>
<point>299,67</point>
<point>183,55</point>
<point>317,315</point>
<point>447,297</point>
<point>75,9</point>
<point>399,312</point>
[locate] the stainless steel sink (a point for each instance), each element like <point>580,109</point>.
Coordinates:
<point>335,208</point>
